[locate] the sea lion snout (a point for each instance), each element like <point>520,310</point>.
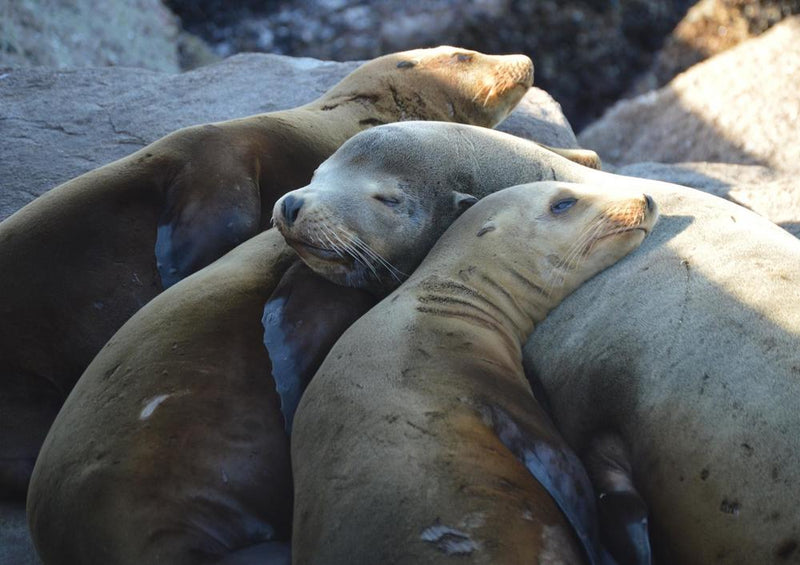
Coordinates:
<point>290,208</point>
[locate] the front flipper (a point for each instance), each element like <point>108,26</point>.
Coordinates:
<point>622,511</point>
<point>269,553</point>
<point>558,469</point>
<point>208,210</point>
<point>302,320</point>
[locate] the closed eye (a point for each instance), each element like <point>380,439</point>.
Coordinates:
<point>463,57</point>
<point>562,205</point>
<point>390,201</point>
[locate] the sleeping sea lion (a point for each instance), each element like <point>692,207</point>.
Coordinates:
<point>172,448</point>
<point>77,262</point>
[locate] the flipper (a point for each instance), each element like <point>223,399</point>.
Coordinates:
<point>302,320</point>
<point>560,472</point>
<point>269,553</point>
<point>622,511</point>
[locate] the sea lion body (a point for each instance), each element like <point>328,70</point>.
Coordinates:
<point>171,447</point>
<point>80,260</point>
<point>419,440</point>
<point>690,352</point>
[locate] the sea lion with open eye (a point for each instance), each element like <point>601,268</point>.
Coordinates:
<point>419,439</point>
<point>688,353</point>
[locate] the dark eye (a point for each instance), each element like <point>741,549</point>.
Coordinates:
<point>390,201</point>
<point>463,57</point>
<point>562,205</point>
<point>406,64</point>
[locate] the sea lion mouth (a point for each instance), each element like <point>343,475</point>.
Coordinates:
<point>621,231</point>
<point>305,248</point>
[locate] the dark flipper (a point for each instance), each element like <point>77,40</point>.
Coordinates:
<point>212,206</point>
<point>269,553</point>
<point>302,320</point>
<point>557,468</point>
<point>622,511</point>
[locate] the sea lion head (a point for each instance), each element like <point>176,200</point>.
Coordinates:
<point>441,83</point>
<point>376,206</point>
<point>547,237</point>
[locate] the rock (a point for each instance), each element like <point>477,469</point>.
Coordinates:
<point>55,125</point>
<point>738,107</point>
<point>86,33</point>
<point>770,193</point>
<point>711,27</point>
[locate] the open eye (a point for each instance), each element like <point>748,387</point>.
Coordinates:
<point>463,57</point>
<point>562,205</point>
<point>390,201</point>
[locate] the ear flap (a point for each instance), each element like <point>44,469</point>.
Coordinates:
<point>462,201</point>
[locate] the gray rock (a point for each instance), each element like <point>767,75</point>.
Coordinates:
<point>87,33</point>
<point>55,125</point>
<point>770,193</point>
<point>740,106</point>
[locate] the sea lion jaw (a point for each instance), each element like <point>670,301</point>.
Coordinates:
<point>474,87</point>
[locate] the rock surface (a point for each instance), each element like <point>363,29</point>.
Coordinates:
<point>740,107</point>
<point>86,33</point>
<point>770,193</point>
<point>55,125</point>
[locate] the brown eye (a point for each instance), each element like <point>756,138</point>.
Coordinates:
<point>463,57</point>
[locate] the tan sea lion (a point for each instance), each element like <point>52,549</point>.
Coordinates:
<point>690,355</point>
<point>80,260</point>
<point>419,440</point>
<point>171,448</point>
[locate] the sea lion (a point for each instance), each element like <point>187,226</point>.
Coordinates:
<point>171,448</point>
<point>691,352</point>
<point>80,260</point>
<point>419,439</point>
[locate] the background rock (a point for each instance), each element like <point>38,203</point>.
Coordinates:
<point>86,33</point>
<point>711,27</point>
<point>741,106</point>
<point>55,125</point>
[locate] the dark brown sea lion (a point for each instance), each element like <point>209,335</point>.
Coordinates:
<point>171,448</point>
<point>77,262</point>
<point>419,440</point>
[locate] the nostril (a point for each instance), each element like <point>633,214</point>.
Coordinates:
<point>649,200</point>
<point>291,208</point>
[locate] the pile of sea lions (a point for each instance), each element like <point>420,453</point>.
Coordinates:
<point>448,349</point>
